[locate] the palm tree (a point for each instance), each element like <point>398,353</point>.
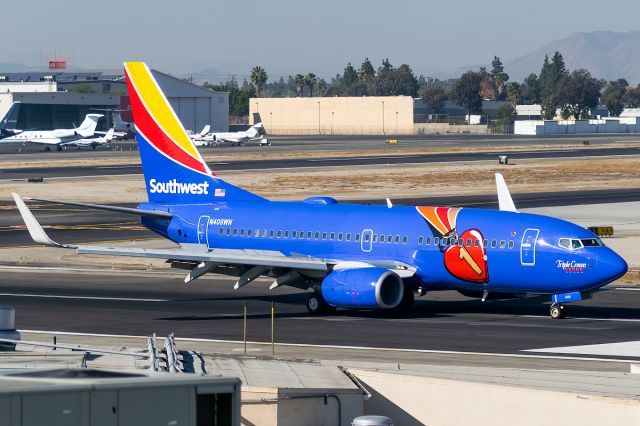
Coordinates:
<point>258,78</point>
<point>299,81</point>
<point>310,80</point>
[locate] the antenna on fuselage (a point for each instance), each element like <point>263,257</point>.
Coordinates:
<point>389,203</point>
<point>504,197</point>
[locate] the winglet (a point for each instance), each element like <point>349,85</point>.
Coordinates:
<point>504,197</point>
<point>35,230</point>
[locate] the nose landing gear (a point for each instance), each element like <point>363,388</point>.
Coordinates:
<point>557,311</point>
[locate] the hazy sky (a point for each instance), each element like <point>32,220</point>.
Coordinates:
<point>287,36</point>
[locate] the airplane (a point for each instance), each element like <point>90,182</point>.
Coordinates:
<point>93,142</point>
<point>254,133</point>
<point>345,255</point>
<point>58,137</point>
<point>9,122</point>
<point>198,138</point>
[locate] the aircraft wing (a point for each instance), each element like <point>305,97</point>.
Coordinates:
<point>201,260</point>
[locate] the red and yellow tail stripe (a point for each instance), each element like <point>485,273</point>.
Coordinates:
<point>156,121</point>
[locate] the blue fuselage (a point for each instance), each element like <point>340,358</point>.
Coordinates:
<point>511,252</point>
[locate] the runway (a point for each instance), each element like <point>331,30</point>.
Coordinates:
<point>146,302</point>
<point>70,224</point>
<point>297,163</point>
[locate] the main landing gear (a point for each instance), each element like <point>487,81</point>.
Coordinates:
<point>316,305</point>
<point>557,311</point>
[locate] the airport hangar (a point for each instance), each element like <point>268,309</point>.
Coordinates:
<point>53,99</point>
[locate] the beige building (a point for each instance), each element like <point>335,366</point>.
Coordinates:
<point>366,115</point>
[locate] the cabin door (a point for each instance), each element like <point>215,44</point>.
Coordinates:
<point>203,224</point>
<point>528,247</point>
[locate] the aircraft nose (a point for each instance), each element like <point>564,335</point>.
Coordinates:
<point>615,265</point>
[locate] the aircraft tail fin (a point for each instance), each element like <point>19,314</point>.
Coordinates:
<point>109,136</point>
<point>205,131</point>
<point>174,171</point>
<point>10,119</point>
<point>88,126</point>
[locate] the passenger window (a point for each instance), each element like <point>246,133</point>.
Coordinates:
<point>286,234</point>
<point>510,244</point>
<point>357,237</point>
<point>249,232</point>
<point>221,231</point>
<point>366,238</point>
<point>375,238</point>
<point>309,234</point>
<point>339,236</point>
<point>494,243</point>
<point>257,233</point>
<point>468,242</point>
<point>503,244</point>
<point>264,232</point>
<point>405,239</point>
<point>271,233</point>
<point>279,234</point>
<point>382,238</point>
<point>294,234</point>
<point>485,243</point>
<point>460,242</point>
<point>428,240</point>
<point>397,239</point>
<point>242,232</point>
<point>390,239</point>
<point>235,232</point>
<point>324,235</point>
<point>332,236</point>
<point>348,236</point>
<point>228,231</point>
<point>420,240</point>
<point>301,235</point>
<point>436,241</point>
<point>476,243</point>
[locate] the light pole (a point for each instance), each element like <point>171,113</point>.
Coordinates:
<point>332,114</point>
<point>383,117</point>
<point>396,122</point>
<point>319,132</point>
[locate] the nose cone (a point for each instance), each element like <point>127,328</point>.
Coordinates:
<point>613,266</point>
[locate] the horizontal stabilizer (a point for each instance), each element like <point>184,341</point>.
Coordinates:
<point>118,209</point>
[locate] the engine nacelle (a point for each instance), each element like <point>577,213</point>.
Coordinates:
<point>370,288</point>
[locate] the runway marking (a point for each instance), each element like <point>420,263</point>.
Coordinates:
<point>590,319</point>
<point>57,296</point>
<point>626,349</point>
<point>306,345</point>
<point>130,166</point>
<point>627,288</point>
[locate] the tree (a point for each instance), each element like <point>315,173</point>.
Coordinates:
<point>349,76</point>
<point>498,76</point>
<point>466,92</point>
<point>632,97</point>
<point>552,73</point>
<point>299,82</point>
<point>310,80</point>
<point>505,115</point>
<point>579,93</point>
<point>513,92</point>
<point>366,71</point>
<point>322,87</point>
<point>258,78</point>
<point>530,90</point>
<point>613,94</point>
<point>404,82</point>
<point>434,97</point>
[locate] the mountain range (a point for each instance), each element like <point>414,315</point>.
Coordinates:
<point>606,54</point>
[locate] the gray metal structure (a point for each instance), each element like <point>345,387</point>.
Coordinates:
<point>70,397</point>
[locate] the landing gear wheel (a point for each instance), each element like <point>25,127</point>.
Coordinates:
<point>58,148</point>
<point>316,305</point>
<point>557,311</point>
<point>47,149</point>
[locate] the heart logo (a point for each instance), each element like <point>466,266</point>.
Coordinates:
<point>469,262</point>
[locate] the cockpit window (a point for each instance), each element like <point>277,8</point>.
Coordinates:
<point>592,242</point>
<point>576,244</point>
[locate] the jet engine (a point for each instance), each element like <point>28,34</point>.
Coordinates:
<point>372,288</point>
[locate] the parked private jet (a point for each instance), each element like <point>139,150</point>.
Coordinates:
<point>9,122</point>
<point>254,134</point>
<point>58,137</point>
<point>345,255</point>
<point>93,142</point>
